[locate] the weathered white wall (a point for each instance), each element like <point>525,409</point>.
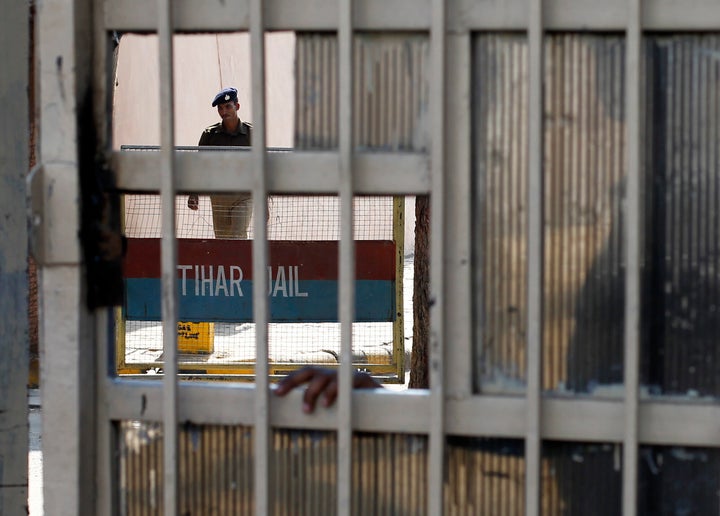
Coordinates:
<point>203,65</point>
<point>14,137</point>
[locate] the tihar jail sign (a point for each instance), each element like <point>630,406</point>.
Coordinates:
<point>215,280</point>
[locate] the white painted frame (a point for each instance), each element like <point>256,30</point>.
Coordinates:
<point>450,406</point>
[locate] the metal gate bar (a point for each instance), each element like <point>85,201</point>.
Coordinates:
<point>533,393</point>
<point>662,422</point>
<point>633,97</point>
<point>168,256</point>
<point>346,257</point>
<point>436,359</point>
<point>260,260</point>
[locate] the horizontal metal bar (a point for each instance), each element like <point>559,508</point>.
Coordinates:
<point>287,172</point>
<point>414,15</point>
<point>239,371</point>
<point>232,405</point>
<point>583,15</point>
<point>232,15</point>
<point>661,423</point>
<point>368,14</point>
<point>589,420</point>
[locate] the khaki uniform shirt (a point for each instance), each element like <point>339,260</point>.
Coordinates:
<point>216,135</point>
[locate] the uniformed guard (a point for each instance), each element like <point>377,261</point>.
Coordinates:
<point>231,131</point>
<point>231,212</point>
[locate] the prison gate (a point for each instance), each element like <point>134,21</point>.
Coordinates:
<point>570,153</point>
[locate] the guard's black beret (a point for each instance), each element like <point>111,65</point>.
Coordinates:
<point>225,95</point>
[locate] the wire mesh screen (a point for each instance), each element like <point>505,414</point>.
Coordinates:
<point>229,347</point>
<point>290,217</point>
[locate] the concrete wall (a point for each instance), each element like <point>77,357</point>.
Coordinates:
<point>13,259</point>
<point>203,65</point>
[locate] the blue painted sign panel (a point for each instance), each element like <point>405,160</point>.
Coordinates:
<point>215,281</point>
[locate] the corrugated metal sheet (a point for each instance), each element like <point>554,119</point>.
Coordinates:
<point>215,462</point>
<point>584,139</point>
<point>484,476</point>
<point>584,270</point>
<point>390,98</point>
<point>389,474</point>
<point>583,479</point>
<point>678,480</point>
<point>683,209</point>
<point>586,479</point>
<point>583,168</point>
<point>216,472</point>
<point>500,171</point>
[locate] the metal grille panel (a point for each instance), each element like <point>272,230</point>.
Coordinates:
<point>673,250</point>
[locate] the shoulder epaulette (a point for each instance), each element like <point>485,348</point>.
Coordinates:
<point>212,128</point>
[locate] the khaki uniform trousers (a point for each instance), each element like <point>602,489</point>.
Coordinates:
<point>231,215</point>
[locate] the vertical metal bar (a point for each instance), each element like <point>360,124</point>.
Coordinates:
<point>533,442</point>
<point>436,457</point>
<point>65,324</point>
<point>633,234</point>
<point>459,207</point>
<point>110,326</point>
<point>107,478</point>
<point>347,255</point>
<point>260,261</point>
<point>399,322</point>
<point>168,256</point>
